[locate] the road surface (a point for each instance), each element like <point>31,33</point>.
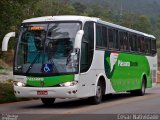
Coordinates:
<point>112,104</point>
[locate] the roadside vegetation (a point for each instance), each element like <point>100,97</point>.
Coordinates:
<point>7,93</point>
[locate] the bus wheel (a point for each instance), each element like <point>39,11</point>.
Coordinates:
<point>141,91</point>
<point>48,101</point>
<point>98,97</point>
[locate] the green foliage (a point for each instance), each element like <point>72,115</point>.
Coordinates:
<point>102,12</point>
<point>157,32</point>
<point>56,7</point>
<point>143,24</point>
<point>128,20</point>
<point>79,8</point>
<point>7,93</point>
<point>13,12</point>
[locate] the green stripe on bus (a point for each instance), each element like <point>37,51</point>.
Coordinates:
<point>49,81</point>
<point>127,72</point>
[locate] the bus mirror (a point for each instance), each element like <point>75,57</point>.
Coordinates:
<point>6,40</point>
<point>78,39</point>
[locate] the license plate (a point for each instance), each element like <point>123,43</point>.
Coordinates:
<point>42,92</point>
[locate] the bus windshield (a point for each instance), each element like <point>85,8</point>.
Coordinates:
<point>45,48</point>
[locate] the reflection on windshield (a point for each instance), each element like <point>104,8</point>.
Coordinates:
<point>44,48</point>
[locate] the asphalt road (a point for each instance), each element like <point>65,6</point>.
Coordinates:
<point>112,104</point>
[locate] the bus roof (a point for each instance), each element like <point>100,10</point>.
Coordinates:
<point>61,18</point>
<point>83,19</point>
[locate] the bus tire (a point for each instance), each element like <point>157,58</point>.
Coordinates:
<point>142,91</point>
<point>48,101</point>
<point>98,97</point>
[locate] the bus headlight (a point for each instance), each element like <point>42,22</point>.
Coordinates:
<point>19,84</point>
<point>67,84</point>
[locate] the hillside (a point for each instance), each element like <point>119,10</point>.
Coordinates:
<point>150,8</point>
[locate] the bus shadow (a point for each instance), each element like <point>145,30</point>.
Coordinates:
<point>119,96</point>
<point>78,103</point>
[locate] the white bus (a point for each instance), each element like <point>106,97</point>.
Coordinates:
<point>81,57</point>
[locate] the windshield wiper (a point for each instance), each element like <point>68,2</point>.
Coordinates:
<point>35,59</point>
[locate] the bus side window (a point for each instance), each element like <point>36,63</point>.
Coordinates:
<point>104,37</point>
<point>126,43</point>
<point>87,47</point>
<point>142,45</point>
<point>101,36</point>
<point>153,46</point>
<point>113,38</point>
<point>98,35</point>
<point>135,49</point>
<point>110,35</point>
<point>116,39</point>
<point>121,40</point>
<point>139,43</point>
<point>147,45</point>
<point>133,42</point>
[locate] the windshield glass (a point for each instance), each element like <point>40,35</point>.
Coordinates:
<point>45,48</point>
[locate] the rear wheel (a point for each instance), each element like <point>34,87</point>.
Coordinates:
<point>141,91</point>
<point>98,97</point>
<point>48,101</point>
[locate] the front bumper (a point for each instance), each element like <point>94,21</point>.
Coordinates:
<point>52,92</point>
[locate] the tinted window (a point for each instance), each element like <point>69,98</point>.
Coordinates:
<point>142,45</point>
<point>148,45</point>
<point>121,36</point>
<point>124,44</point>
<point>133,42</point>
<point>104,36</point>
<point>98,35</point>
<point>153,46</point>
<point>113,38</point>
<point>87,47</point>
<point>101,36</point>
<point>138,43</point>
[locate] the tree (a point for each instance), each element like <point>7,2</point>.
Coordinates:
<point>157,32</point>
<point>56,7</point>
<point>143,24</point>
<point>94,10</point>
<point>12,12</point>
<point>128,20</point>
<point>79,8</point>
<point>102,12</point>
